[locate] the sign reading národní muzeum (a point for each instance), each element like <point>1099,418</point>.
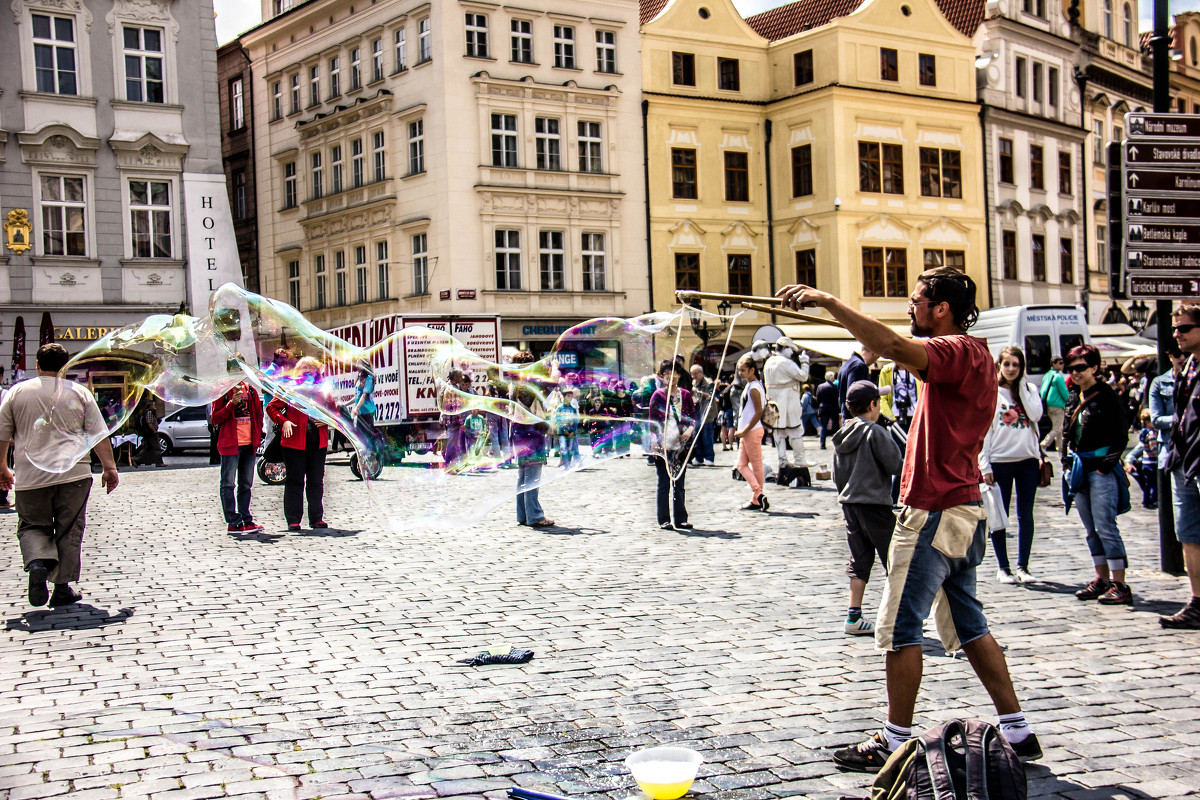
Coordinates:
<point>1161,183</point>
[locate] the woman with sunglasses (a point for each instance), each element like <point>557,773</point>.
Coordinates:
<point>1011,455</point>
<point>1097,432</point>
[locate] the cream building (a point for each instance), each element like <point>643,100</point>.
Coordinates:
<point>468,158</point>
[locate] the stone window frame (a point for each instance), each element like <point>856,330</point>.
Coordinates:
<point>176,194</point>
<point>146,15</point>
<point>23,11</point>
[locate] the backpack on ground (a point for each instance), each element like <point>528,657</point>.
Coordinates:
<point>958,760</point>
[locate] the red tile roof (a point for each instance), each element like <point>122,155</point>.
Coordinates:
<point>788,20</point>
<point>651,8</point>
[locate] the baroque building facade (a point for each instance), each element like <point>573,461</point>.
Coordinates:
<point>108,147</point>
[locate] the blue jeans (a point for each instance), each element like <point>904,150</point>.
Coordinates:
<point>827,426</point>
<point>237,471</point>
<point>1097,505</point>
<point>704,444</point>
<point>529,475</point>
<point>568,448</point>
<point>1025,474</point>
<point>1186,498</point>
<point>671,497</point>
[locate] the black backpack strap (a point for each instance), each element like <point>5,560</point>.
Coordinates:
<point>977,738</point>
<point>936,763</point>
<point>993,769</point>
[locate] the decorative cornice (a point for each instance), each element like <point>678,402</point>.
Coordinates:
<point>142,11</point>
<point>67,6</point>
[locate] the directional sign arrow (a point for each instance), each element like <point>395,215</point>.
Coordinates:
<point>1157,181</point>
<point>1163,153</point>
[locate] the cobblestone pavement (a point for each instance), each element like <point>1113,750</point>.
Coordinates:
<point>323,664</point>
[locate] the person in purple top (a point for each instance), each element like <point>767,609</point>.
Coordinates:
<point>672,423</point>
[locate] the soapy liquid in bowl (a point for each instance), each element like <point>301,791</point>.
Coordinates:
<point>665,780</point>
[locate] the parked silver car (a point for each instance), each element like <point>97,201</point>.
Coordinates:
<point>184,429</point>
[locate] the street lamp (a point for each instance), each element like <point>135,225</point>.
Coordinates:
<point>700,326</point>
<point>1139,315</point>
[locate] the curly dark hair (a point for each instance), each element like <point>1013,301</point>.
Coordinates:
<point>955,287</point>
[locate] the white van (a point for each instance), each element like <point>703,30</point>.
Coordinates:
<point>1042,332</point>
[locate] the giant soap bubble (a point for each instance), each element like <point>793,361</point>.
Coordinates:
<point>449,419</point>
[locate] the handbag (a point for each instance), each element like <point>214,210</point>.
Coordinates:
<point>1047,476</point>
<point>993,503</point>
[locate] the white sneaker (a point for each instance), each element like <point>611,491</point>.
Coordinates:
<point>1022,575</point>
<point>860,627</point>
<point>1005,577</point>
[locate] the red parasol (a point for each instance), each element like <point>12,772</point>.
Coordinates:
<point>46,332</point>
<point>18,359</point>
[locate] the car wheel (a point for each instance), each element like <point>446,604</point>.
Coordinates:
<point>164,443</point>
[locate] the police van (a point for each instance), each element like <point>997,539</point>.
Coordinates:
<point>1041,331</point>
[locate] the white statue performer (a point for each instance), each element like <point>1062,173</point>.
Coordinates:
<point>784,378</point>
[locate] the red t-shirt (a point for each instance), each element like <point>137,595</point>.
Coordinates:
<point>954,413</point>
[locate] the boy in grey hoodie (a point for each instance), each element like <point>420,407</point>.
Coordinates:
<point>864,460</point>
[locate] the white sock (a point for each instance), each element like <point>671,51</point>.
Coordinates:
<point>1014,728</point>
<point>896,736</point>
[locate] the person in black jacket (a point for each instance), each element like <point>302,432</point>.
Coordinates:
<point>829,406</point>
<point>1097,432</point>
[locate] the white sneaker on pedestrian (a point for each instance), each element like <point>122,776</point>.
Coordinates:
<point>1004,576</point>
<point>1022,575</point>
<point>860,627</point>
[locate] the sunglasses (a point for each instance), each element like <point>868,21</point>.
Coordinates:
<point>1078,368</point>
<point>1186,327</point>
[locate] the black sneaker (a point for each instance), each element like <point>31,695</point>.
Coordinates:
<point>39,593</point>
<point>1118,594</point>
<point>294,527</point>
<point>64,596</point>
<point>1187,618</point>
<point>870,756</point>
<point>1097,587</point>
<point>1028,749</point>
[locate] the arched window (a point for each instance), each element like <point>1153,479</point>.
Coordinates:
<point>1108,20</point>
<point>1192,49</point>
<point>1127,30</point>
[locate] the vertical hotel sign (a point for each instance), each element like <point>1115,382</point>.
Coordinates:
<point>212,249</point>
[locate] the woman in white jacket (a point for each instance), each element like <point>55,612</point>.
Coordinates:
<point>1012,455</point>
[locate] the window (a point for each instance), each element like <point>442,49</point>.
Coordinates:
<point>319,274</point>
<point>143,65</point>
<point>294,284</point>
<point>547,143</point>
<point>335,167</point>
<point>687,271</point>
<point>806,267</point>
<point>296,94</point>
<point>1101,248</point>
<point>872,268</point>
<point>728,78</point>
<point>376,60</point>
<point>1098,141</point>
<point>291,196</point>
<point>802,182</point>
<point>356,163</point>
<point>1006,160</point>
<point>1037,82</point>
<point>424,42</point>
<point>738,267</point>
<point>1180,105</point>
<point>737,177</point>
<point>606,51</point>
<point>880,167</point>
<point>335,76</point>
<point>550,260</point>
<point>1052,87</point>
<point>276,100</point>
<point>1127,25</point>
<point>941,172</point>
<point>379,155</point>
<point>594,271</point>
<point>1037,179</point>
<point>956,259</point>
<point>1064,172</point>
<point>683,69</point>
<point>355,69</point>
<point>316,175</point>
<point>589,147</point>
<point>54,54</point>
<point>802,66</point>
<point>239,194</point>
<point>477,41</point>
<point>314,86</point>
<point>1066,261</point>
<point>1118,133</point>
<point>889,67</point>
<point>382,278</point>
<point>339,276</point>
<point>416,146</point>
<point>683,173</point>
<point>504,140</point>
<point>508,260</point>
<point>1108,19</point>
<point>237,105</point>
<point>564,47</point>
<point>1039,257</point>
<point>64,215</point>
<point>401,50</point>
<point>885,272</point>
<point>1008,245</point>
<point>360,273</point>
<point>1020,77</point>
<point>1037,7</point>
<point>522,41</point>
<point>927,69</point>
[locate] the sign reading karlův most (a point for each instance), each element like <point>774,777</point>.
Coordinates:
<point>1161,185</point>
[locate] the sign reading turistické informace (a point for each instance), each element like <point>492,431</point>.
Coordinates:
<point>1160,205</point>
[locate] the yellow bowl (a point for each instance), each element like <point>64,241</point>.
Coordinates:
<point>664,773</point>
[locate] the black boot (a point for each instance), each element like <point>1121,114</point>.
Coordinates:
<point>64,595</point>
<point>38,591</point>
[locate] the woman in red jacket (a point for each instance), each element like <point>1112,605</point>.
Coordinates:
<point>304,442</point>
<point>238,417</point>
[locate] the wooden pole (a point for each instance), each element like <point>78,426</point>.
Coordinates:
<point>783,312</point>
<point>685,295</point>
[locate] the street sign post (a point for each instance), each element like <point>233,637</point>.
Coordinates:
<point>1160,205</point>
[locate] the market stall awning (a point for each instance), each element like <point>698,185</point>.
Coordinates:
<point>830,340</point>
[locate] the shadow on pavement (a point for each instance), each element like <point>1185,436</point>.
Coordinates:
<point>562,530</point>
<point>717,534</point>
<point>794,514</point>
<point>79,617</point>
<point>1044,783</point>
<point>1164,608</point>
<point>331,533</point>
<point>1053,587</point>
<point>262,537</point>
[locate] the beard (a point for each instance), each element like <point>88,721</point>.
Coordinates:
<point>919,331</point>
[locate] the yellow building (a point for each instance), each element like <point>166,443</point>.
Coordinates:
<point>843,152</point>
